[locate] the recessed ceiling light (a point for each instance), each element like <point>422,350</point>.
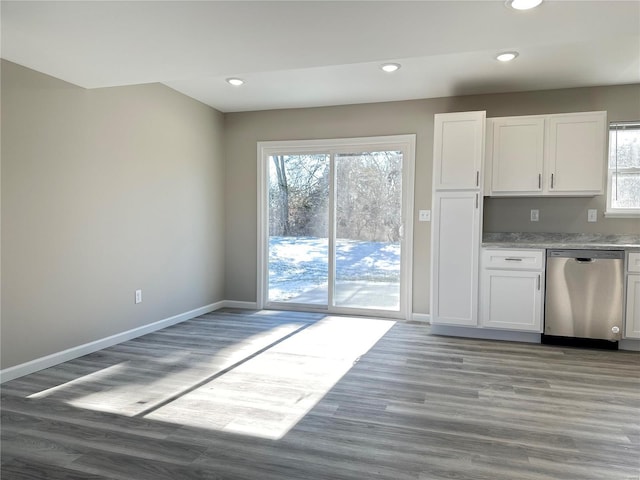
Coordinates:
<point>523,4</point>
<point>390,67</point>
<point>506,56</point>
<point>236,82</point>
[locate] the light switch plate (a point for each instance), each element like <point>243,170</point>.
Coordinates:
<point>592,215</point>
<point>535,215</point>
<point>424,215</point>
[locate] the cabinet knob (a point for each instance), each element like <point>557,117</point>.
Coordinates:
<point>615,329</point>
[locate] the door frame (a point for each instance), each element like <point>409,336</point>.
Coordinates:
<point>406,144</point>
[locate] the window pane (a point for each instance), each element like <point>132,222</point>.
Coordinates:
<point>625,190</point>
<point>368,230</point>
<point>624,148</point>
<point>298,228</point>
<point>624,153</point>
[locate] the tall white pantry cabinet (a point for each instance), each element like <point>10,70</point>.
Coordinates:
<point>458,154</point>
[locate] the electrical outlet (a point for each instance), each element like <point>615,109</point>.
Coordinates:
<point>535,215</point>
<point>424,215</point>
<point>138,296</point>
<point>592,215</point>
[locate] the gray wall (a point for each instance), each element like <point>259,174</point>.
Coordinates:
<point>104,192</point>
<point>107,191</point>
<point>243,130</point>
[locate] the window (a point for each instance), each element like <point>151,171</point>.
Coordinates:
<point>623,192</point>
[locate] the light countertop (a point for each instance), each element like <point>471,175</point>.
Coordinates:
<point>592,241</point>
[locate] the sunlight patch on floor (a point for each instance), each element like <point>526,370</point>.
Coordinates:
<point>269,394</point>
<point>134,386</point>
<point>78,383</point>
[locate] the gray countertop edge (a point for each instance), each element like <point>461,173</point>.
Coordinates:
<point>546,245</point>
<point>560,240</point>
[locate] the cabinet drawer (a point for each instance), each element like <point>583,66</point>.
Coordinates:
<point>513,259</point>
<point>633,264</point>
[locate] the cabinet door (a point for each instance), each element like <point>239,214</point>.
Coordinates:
<point>517,155</point>
<point>455,246</point>
<point>512,300</point>
<point>458,147</point>
<point>632,329</point>
<point>577,153</point>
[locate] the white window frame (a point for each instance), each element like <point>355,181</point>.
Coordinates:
<point>611,211</point>
<point>405,143</point>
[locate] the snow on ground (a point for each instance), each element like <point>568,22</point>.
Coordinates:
<point>299,264</point>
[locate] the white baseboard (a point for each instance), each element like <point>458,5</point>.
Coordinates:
<point>236,304</point>
<point>421,317</point>
<point>75,352</point>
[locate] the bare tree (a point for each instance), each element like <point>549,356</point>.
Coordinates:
<point>368,202</point>
<point>283,189</point>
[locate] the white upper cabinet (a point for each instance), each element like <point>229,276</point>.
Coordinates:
<point>518,155</point>
<point>553,155</point>
<point>577,153</point>
<point>458,150</point>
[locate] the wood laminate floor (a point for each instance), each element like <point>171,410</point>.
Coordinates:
<point>283,395</point>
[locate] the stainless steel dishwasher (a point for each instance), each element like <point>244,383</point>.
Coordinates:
<point>584,296</point>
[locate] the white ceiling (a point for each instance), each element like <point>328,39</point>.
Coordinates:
<point>316,53</point>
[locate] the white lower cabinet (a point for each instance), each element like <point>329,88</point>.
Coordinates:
<point>455,248</point>
<point>632,329</point>
<point>632,317</point>
<point>511,289</point>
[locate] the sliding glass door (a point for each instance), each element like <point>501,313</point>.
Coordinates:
<point>332,224</point>
<point>368,229</point>
<point>298,267</point>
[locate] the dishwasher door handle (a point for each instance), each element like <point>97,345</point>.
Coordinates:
<point>585,260</point>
